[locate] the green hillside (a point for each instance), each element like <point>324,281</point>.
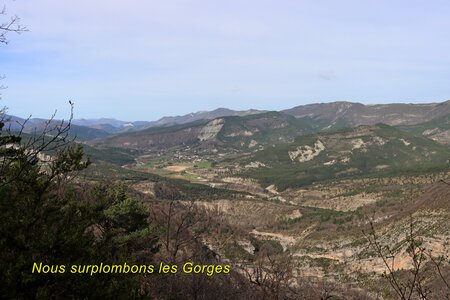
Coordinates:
<point>437,129</point>
<point>270,128</point>
<point>362,151</point>
<point>243,133</point>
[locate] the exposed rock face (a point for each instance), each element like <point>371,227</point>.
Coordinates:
<point>357,144</point>
<point>442,137</point>
<point>252,144</point>
<point>329,163</point>
<point>439,135</point>
<point>306,153</point>
<point>241,133</point>
<point>168,137</point>
<point>272,189</point>
<point>405,142</point>
<point>210,130</point>
<point>255,164</point>
<point>379,141</point>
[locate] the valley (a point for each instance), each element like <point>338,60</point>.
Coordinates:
<point>227,150</point>
<point>303,189</point>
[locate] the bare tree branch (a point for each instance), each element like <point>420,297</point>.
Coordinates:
<point>10,25</point>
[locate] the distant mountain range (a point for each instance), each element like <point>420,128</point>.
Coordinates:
<point>322,116</point>
<point>36,125</point>
<point>117,126</point>
<point>90,129</point>
<point>354,114</point>
<point>244,132</point>
<point>203,115</point>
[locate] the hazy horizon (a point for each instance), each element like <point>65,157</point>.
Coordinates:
<point>59,116</point>
<point>147,59</point>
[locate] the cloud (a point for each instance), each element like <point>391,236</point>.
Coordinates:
<point>326,75</point>
<point>235,51</point>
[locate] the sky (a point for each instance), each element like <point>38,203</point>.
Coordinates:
<point>144,59</point>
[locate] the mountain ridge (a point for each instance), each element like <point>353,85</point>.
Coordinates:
<point>355,114</point>
<point>334,114</point>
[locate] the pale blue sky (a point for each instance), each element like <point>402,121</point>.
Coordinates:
<point>140,60</point>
